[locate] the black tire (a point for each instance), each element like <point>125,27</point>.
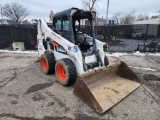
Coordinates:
<point>106,61</point>
<point>65,71</point>
<point>47,63</point>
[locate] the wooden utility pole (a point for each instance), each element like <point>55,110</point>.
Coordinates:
<point>107,11</point>
<point>1,13</point>
<point>159,14</point>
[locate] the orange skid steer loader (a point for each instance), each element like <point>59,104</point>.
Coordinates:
<point>77,57</point>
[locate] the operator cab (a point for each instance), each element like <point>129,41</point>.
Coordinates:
<point>70,24</point>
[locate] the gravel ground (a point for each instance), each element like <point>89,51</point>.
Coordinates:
<point>27,94</point>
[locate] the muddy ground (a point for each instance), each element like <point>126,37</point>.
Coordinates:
<point>27,94</point>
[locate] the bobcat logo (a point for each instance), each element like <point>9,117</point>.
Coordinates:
<point>75,49</point>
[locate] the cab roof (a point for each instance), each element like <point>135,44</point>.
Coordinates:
<point>68,12</point>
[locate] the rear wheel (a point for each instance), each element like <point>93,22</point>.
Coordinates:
<point>65,71</point>
<point>48,63</point>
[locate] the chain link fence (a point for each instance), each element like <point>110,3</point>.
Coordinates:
<point>121,38</point>
<point>18,33</point>
<point>129,38</point>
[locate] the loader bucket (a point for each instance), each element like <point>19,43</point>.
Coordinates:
<point>104,88</point>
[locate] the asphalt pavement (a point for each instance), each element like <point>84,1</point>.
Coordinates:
<point>27,94</point>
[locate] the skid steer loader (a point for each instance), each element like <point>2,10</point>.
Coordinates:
<point>78,57</point>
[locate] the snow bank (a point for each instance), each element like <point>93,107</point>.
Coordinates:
<point>148,69</point>
<point>116,54</point>
<point>137,53</point>
<point>154,54</point>
<point>21,52</point>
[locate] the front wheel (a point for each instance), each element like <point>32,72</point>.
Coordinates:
<point>65,71</point>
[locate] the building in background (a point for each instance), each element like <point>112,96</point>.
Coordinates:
<point>102,22</point>
<point>149,21</point>
<point>34,21</point>
<point>25,22</point>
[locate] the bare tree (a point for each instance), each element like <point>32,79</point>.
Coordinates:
<point>129,17</point>
<point>51,15</point>
<point>142,16</point>
<point>153,17</point>
<point>15,11</point>
<point>124,18</point>
<point>89,4</point>
<point>119,16</point>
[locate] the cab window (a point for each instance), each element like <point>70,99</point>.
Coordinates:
<point>66,25</point>
<point>58,25</point>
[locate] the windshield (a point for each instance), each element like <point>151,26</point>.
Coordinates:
<point>83,25</point>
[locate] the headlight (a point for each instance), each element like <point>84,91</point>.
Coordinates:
<point>105,47</point>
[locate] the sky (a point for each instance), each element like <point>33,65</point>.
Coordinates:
<point>41,8</point>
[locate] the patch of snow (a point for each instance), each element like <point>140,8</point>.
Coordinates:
<point>148,69</point>
<point>154,54</point>
<point>21,52</point>
<point>116,54</point>
<point>137,53</point>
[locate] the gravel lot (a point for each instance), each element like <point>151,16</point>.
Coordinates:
<point>27,94</point>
